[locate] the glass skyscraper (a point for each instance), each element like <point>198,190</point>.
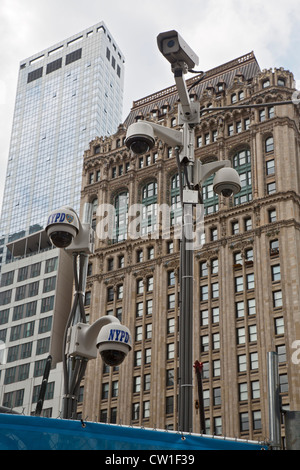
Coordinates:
<point>67,95</point>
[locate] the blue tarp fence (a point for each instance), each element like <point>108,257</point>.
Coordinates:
<point>18,432</point>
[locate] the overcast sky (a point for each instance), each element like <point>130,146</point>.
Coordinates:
<point>217,30</point>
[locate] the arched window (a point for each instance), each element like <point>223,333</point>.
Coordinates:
<point>269,144</point>
<point>242,164</point>
<point>121,217</point>
<point>149,208</point>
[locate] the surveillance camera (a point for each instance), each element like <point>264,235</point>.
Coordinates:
<point>176,50</point>
<point>227,182</point>
<point>140,138</point>
<point>114,343</point>
<point>62,227</point>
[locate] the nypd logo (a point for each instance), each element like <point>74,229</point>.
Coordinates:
<point>118,335</point>
<point>60,217</point>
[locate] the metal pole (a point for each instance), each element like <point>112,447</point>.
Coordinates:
<point>74,368</point>
<point>198,369</point>
<point>274,401</point>
<point>43,388</point>
<point>185,423</point>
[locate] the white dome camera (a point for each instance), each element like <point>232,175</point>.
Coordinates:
<point>114,343</point>
<point>62,226</point>
<point>140,138</point>
<point>227,182</point>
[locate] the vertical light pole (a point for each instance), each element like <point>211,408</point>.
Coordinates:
<point>81,340</point>
<point>182,60</point>
<point>140,138</point>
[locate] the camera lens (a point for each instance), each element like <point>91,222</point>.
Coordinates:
<point>171,43</point>
<point>140,146</point>
<point>113,358</point>
<point>227,192</point>
<point>61,239</point>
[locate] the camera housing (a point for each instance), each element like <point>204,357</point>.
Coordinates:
<point>114,343</point>
<point>226,182</point>
<point>176,50</point>
<point>140,138</point>
<point>62,226</point>
<point>106,336</point>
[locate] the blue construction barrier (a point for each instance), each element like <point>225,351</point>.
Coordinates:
<point>19,432</point>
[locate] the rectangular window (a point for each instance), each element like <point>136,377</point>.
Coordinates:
<point>35,74</point>
<point>20,293</point>
<point>241,336</point>
<point>35,270</point>
<point>171,301</point>
<point>47,304</point>
<point>217,396</point>
<point>170,351</point>
<point>170,377</point>
<point>7,279</point>
<point>250,281</point>
<point>55,65</point>
<point>279,326</point>
<point>239,284</point>
<point>215,290</point>
<point>239,309</point>
<point>203,293</point>
<point>276,273</point>
<point>255,389</point>
<point>139,286</point>
<point>251,307</point>
<point>139,309</point>
<point>244,421</point>
<point>51,265</point>
<point>215,314</point>
<point>169,405</point>
<point>253,361</point>
<point>73,56</point>
<point>149,284</point>
<point>49,284</point>
<point>149,306</point>
<point>242,363</point>
<point>204,317</point>
<point>252,333</point>
<point>256,420</point>
<point>33,289</point>
<point>243,391</point>
<point>146,409</point>
<point>277,299</point>
<point>270,166</point>
<point>110,294</point>
<point>138,333</point>
<point>137,384</point>
<point>4,314</point>
<point>135,411</point>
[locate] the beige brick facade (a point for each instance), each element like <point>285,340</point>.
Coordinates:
<point>246,276</point>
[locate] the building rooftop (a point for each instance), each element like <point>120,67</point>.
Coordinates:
<point>246,66</point>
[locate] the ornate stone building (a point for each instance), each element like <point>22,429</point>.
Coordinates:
<point>246,275</point>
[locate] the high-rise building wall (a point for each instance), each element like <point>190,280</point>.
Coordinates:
<point>35,301</point>
<point>246,275</point>
<point>66,95</point>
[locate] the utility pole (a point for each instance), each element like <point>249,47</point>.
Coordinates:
<point>198,366</point>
